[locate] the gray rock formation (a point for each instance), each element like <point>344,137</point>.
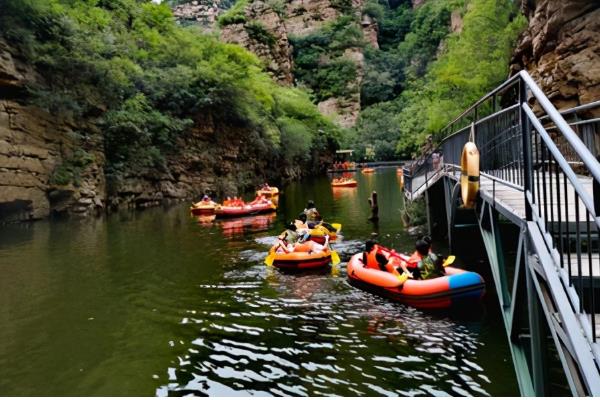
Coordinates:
<point>561,49</point>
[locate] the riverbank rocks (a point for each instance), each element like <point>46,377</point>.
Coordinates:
<point>561,49</point>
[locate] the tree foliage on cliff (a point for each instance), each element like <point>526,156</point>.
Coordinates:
<point>148,80</point>
<point>319,60</point>
<point>416,85</point>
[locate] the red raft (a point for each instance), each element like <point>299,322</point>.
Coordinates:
<point>457,286</point>
<point>246,209</point>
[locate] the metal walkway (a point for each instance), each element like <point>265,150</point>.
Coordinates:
<point>539,171</point>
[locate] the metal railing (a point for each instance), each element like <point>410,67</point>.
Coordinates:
<point>550,158</point>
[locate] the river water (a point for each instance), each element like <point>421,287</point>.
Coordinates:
<point>157,303</point>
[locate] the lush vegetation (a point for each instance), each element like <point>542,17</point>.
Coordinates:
<point>423,75</point>
<point>128,65</point>
<point>319,60</point>
<point>234,15</point>
<point>258,32</point>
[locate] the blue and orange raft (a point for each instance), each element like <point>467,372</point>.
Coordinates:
<point>456,287</point>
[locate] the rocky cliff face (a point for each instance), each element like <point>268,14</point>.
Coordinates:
<point>33,143</point>
<point>561,49</point>
<point>299,18</point>
<point>35,146</point>
<point>266,35</point>
<point>202,12</point>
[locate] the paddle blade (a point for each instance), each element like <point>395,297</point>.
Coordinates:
<point>270,258</point>
<point>449,261</point>
<point>335,258</point>
<point>338,227</point>
<point>402,278</point>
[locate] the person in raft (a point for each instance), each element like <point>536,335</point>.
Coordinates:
<point>290,235</point>
<point>205,200</point>
<point>302,227</point>
<point>375,258</point>
<point>431,266</point>
<point>312,217</point>
<point>285,246</point>
<point>312,214</point>
<point>423,263</point>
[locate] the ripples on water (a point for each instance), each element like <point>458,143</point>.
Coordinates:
<point>264,332</point>
<point>155,302</point>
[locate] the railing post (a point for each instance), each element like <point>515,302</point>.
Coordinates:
<point>527,162</point>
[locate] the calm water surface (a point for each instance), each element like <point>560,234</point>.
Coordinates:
<point>155,302</point>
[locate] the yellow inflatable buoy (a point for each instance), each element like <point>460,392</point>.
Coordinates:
<point>469,178</point>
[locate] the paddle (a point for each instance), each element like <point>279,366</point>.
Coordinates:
<point>270,258</point>
<point>402,277</point>
<point>335,257</point>
<point>449,260</point>
<point>337,227</point>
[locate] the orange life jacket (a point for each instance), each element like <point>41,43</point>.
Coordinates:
<point>370,258</point>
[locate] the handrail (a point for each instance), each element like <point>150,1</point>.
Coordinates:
<point>497,90</point>
<point>579,147</point>
<point>564,165</point>
<point>576,109</point>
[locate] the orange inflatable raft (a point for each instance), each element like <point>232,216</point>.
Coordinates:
<point>317,234</point>
<point>203,208</point>
<point>344,183</point>
<point>246,209</point>
<point>268,193</point>
<point>301,258</point>
<point>457,286</point>
<point>368,170</point>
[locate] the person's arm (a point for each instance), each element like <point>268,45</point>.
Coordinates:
<point>404,268</point>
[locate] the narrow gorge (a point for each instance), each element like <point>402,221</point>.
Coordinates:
<point>85,129</point>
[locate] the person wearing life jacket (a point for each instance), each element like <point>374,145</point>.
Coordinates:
<point>377,258</point>
<point>312,218</point>
<point>302,227</point>
<point>431,266</point>
<point>287,239</point>
<point>285,246</point>
<point>422,249</point>
<point>312,214</point>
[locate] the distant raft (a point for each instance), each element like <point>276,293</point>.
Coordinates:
<point>344,183</point>
<point>203,208</point>
<point>269,192</point>
<point>246,209</point>
<point>456,287</point>
<point>368,170</point>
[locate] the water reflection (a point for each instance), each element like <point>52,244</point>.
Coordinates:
<point>155,302</point>
<point>342,192</point>
<point>252,224</point>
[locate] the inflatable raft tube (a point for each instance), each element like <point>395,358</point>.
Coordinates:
<point>456,287</point>
<point>240,211</point>
<point>300,260</point>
